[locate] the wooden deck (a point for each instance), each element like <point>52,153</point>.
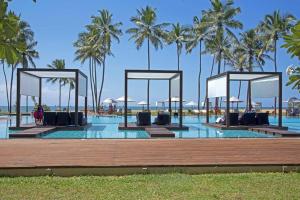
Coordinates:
<point>159,133</point>
<point>272,131</point>
<point>95,157</point>
<point>133,126</point>
<point>31,132</point>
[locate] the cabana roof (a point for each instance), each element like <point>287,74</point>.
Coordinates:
<point>245,76</point>
<point>152,74</point>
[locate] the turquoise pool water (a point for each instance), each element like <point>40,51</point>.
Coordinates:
<point>107,127</point>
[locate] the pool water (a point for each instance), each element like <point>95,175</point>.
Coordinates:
<point>107,127</point>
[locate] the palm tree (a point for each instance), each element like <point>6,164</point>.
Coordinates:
<point>292,41</point>
<point>219,20</point>
<point>88,49</point>
<point>178,35</point>
<point>147,29</point>
<point>57,64</point>
<point>274,27</point>
<point>71,83</point>
<point>104,32</point>
<point>251,45</point>
<point>196,36</point>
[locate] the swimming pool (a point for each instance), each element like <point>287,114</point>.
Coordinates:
<point>107,127</point>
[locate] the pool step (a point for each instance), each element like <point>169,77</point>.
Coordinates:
<point>31,132</point>
<point>159,133</point>
<point>273,131</point>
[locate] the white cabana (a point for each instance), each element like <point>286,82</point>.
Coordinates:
<point>262,85</point>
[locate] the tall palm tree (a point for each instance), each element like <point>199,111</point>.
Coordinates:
<point>178,35</point>
<point>57,64</point>
<point>147,29</point>
<point>292,41</point>
<point>71,83</point>
<point>252,47</point>
<point>219,20</point>
<point>105,31</point>
<point>274,27</point>
<point>196,35</point>
<point>87,49</point>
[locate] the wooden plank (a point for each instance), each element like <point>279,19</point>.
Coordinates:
<point>159,132</point>
<point>146,152</point>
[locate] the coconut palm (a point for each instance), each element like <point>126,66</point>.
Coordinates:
<point>292,41</point>
<point>57,64</point>
<point>274,27</point>
<point>219,21</point>
<point>178,35</point>
<point>147,30</point>
<point>104,31</point>
<point>88,49</point>
<point>251,45</point>
<point>196,35</point>
<point>71,84</point>
<point>294,79</point>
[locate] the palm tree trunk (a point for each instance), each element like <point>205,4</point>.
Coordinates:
<point>211,73</point>
<point>6,85</point>
<point>69,98</point>
<point>102,82</point>
<point>178,61</point>
<point>95,84</point>
<point>219,71</point>
<point>59,102</point>
<point>148,84</point>
<point>91,83</point>
<point>275,66</point>
<point>199,75</point>
<point>239,94</point>
<point>11,85</point>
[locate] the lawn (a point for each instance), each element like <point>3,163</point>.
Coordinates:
<point>168,186</point>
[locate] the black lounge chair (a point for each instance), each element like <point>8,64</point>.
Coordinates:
<point>248,119</point>
<point>81,119</point>
<point>162,119</point>
<point>233,119</point>
<point>49,118</point>
<point>262,118</point>
<point>62,118</point>
<point>143,118</point>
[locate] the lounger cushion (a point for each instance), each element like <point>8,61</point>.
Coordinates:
<point>81,119</point>
<point>262,119</point>
<point>163,119</point>
<point>248,119</point>
<point>143,118</point>
<point>62,118</point>
<point>49,118</point>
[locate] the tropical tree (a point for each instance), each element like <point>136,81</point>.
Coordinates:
<point>71,83</point>
<point>178,35</point>
<point>57,64</point>
<point>147,30</point>
<point>274,27</point>
<point>196,36</point>
<point>88,49</point>
<point>219,21</point>
<point>292,41</point>
<point>251,45</point>
<point>104,31</point>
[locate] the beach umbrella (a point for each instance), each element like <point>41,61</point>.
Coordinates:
<point>191,103</point>
<point>160,102</point>
<point>175,100</point>
<point>142,103</point>
<point>110,101</point>
<point>234,99</point>
<point>122,99</point>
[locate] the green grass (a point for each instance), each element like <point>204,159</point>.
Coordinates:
<point>168,186</point>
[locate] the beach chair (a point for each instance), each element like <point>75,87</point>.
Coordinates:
<point>62,118</point>
<point>248,119</point>
<point>81,120</point>
<point>49,119</point>
<point>262,119</point>
<point>163,118</point>
<point>143,118</point>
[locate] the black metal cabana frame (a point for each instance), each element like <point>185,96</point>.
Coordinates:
<point>228,80</point>
<point>28,70</point>
<point>177,74</point>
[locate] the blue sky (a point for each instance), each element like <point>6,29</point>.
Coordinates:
<point>56,24</point>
